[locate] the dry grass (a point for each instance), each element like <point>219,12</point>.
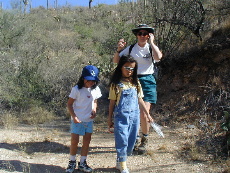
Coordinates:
<point>37,115</point>
<point>9,120</point>
<point>191,152</point>
<point>34,116</point>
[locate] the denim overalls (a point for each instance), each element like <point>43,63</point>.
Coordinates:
<point>126,123</point>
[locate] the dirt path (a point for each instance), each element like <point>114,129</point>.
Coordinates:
<point>45,150</point>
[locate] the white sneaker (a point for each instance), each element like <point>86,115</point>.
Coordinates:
<point>71,167</point>
<point>118,166</point>
<point>125,170</point>
<point>84,167</point>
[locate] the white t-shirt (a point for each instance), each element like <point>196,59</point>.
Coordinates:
<point>143,57</point>
<point>84,101</point>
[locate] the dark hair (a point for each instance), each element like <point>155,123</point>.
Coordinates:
<point>117,73</point>
<point>80,83</point>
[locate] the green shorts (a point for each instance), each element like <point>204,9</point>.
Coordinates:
<point>149,87</point>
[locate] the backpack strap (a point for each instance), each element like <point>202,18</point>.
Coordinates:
<point>150,50</point>
<point>130,48</point>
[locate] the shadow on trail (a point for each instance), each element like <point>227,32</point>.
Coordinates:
<point>32,147</point>
<point>51,147</point>
<point>18,166</point>
<point>110,170</point>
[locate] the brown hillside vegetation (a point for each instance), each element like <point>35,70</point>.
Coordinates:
<point>194,89</point>
<point>197,81</point>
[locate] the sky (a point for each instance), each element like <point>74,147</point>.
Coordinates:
<point>36,3</point>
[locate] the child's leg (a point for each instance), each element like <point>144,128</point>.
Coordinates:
<point>86,142</point>
<point>82,165</point>
<point>73,151</point>
<point>133,132</point>
<point>121,142</point>
<point>74,145</point>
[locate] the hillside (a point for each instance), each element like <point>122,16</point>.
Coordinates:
<point>197,81</point>
<point>189,145</point>
<point>41,57</point>
<point>194,90</point>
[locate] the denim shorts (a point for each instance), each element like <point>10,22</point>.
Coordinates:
<point>81,128</point>
<point>148,84</point>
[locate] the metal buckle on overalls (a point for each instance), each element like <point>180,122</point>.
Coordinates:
<point>121,85</point>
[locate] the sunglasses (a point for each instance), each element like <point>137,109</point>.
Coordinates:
<point>91,81</point>
<point>143,34</point>
<point>129,68</point>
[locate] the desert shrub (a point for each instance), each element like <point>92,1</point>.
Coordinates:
<point>9,120</point>
<point>37,115</point>
<point>9,33</point>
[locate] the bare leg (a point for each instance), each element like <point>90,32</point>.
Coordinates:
<point>74,144</point>
<point>145,125</point>
<point>86,142</point>
<point>84,152</point>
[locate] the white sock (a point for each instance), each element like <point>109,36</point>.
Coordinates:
<point>72,157</point>
<point>83,158</point>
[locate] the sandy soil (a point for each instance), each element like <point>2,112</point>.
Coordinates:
<point>45,149</point>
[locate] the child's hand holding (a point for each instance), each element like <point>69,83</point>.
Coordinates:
<point>76,120</point>
<point>110,126</point>
<point>93,115</point>
<point>110,123</point>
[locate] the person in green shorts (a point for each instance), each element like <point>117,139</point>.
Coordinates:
<point>145,59</point>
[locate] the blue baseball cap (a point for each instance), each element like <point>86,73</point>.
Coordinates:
<point>90,72</point>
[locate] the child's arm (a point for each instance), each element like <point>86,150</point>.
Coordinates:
<point>142,107</point>
<point>71,111</point>
<point>111,108</point>
<point>93,114</point>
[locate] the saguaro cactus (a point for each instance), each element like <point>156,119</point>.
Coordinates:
<point>90,2</point>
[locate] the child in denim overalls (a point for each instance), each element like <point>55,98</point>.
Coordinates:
<point>125,99</point>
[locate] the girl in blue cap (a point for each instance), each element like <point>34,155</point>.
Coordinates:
<point>125,99</point>
<point>82,104</point>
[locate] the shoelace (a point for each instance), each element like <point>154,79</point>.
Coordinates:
<point>70,164</point>
<point>85,164</point>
